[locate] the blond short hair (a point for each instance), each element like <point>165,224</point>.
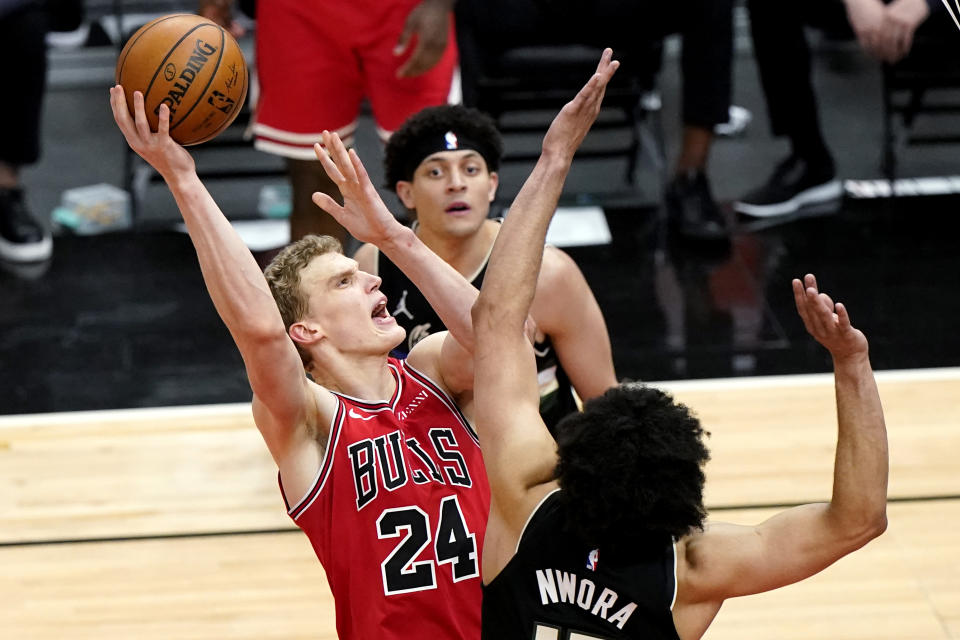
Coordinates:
<point>283,277</point>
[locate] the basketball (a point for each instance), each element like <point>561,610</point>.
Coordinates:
<point>190,64</point>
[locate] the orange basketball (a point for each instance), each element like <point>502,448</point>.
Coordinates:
<point>191,64</point>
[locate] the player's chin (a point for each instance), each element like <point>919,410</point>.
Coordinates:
<point>464,226</point>
<point>394,338</point>
<point>391,330</point>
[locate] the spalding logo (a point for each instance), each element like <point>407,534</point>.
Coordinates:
<point>169,72</point>
<point>201,53</point>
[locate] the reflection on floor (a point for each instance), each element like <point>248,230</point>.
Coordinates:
<point>123,320</point>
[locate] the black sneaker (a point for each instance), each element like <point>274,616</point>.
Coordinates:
<point>22,238</point>
<point>691,209</point>
<point>795,183</point>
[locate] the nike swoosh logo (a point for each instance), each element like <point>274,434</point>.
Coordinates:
<point>354,414</point>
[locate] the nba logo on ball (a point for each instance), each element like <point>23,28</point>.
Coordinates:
<point>192,65</point>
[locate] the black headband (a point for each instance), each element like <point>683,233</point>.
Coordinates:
<point>433,142</point>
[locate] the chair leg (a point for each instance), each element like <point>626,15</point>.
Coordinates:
<point>635,116</point>
<point>652,139</point>
<point>888,160</point>
<point>129,178</point>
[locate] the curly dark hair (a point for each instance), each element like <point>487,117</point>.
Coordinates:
<point>631,466</point>
<point>408,145</point>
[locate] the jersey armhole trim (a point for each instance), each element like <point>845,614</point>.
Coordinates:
<point>673,600</point>
<point>486,259</point>
<point>333,437</point>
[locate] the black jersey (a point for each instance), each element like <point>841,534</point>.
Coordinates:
<point>556,587</point>
<point>412,312</point>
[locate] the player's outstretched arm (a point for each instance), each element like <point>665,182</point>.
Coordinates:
<point>367,218</point>
<point>233,279</point>
<point>726,561</point>
<point>518,251</point>
<point>518,452</point>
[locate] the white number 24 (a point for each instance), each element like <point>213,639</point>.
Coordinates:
<point>453,545</point>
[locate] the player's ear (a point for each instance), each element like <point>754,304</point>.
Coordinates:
<point>405,193</point>
<point>305,334</point>
<point>494,183</point>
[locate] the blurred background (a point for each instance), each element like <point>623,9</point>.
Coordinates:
<point>119,318</point>
<point>160,517</point>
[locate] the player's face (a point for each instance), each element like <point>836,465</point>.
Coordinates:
<point>348,306</point>
<point>451,192</point>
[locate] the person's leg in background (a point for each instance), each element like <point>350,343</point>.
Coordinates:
<point>306,177</point>
<point>309,81</point>
<point>808,175</point>
<point>707,30</point>
<point>394,99</point>
<point>347,53</point>
<point>22,38</point>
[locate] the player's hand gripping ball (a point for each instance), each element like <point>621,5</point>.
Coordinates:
<point>193,66</point>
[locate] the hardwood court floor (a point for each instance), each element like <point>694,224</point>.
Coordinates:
<point>168,523</point>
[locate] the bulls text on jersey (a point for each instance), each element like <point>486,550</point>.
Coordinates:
<point>381,463</point>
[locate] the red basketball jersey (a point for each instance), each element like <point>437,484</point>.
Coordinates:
<point>397,515</point>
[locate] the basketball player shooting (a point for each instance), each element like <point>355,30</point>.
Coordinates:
<point>377,463</point>
<point>601,534</point>
<point>373,453</point>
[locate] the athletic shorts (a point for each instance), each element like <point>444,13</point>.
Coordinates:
<point>318,59</point>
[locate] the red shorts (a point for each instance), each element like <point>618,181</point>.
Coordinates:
<point>318,59</point>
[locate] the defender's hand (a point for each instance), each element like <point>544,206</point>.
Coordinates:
<point>363,213</point>
<point>826,321</point>
<point>571,125</point>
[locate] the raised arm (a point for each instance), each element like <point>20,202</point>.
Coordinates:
<point>367,218</point>
<point>726,560</point>
<point>233,279</point>
<point>517,449</point>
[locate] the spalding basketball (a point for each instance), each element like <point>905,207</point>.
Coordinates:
<point>190,64</point>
